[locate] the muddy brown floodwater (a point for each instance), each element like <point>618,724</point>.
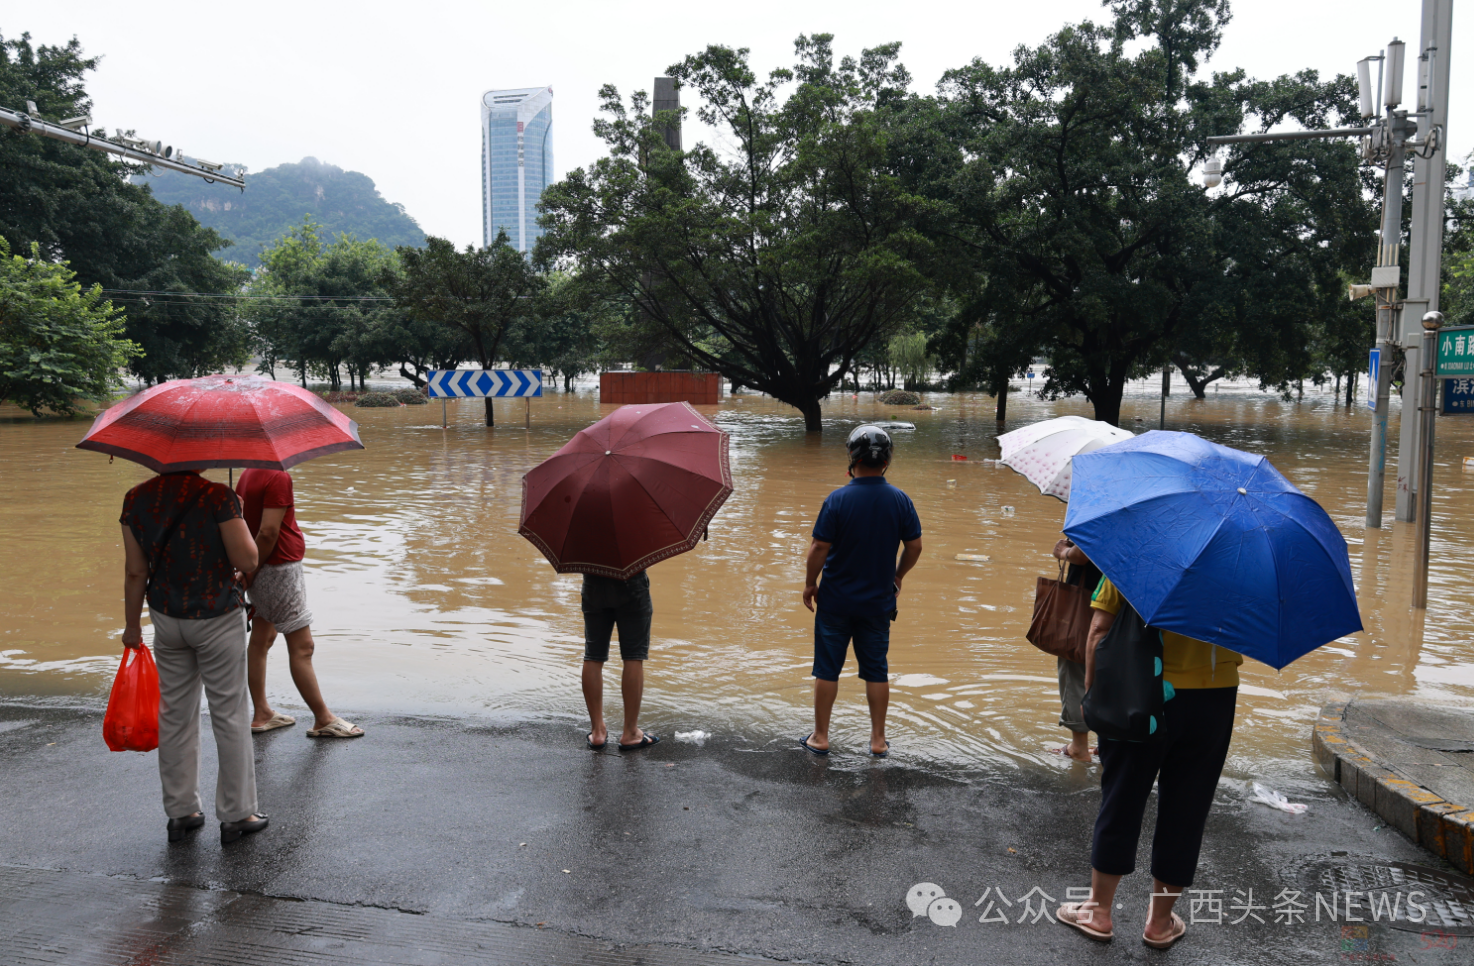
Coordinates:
<point>427,601</point>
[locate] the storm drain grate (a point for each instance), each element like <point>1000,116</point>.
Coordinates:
<point>1419,898</point>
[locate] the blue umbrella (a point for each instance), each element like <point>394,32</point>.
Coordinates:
<point>1213,543</point>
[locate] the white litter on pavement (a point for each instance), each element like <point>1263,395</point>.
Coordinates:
<point>1274,799</point>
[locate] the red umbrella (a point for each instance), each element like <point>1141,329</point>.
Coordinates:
<point>194,424</point>
<point>638,486</point>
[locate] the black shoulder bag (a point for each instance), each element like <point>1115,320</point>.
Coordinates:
<point>1127,697</point>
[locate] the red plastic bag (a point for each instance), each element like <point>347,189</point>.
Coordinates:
<point>132,719</point>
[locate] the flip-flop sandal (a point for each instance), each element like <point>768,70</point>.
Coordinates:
<point>278,720</point>
<point>337,728</point>
<point>644,742</point>
<point>1069,915</point>
<point>882,754</point>
<point>1179,928</point>
<point>821,752</point>
<point>600,746</point>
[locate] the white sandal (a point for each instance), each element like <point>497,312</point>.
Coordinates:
<point>277,720</point>
<point>337,728</point>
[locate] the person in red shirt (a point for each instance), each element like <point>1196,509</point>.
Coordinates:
<point>279,594</point>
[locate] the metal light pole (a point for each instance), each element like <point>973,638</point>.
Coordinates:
<point>76,131</point>
<point>1427,411</point>
<point>1425,236</point>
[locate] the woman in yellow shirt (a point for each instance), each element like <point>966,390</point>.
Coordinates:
<point>1184,764</point>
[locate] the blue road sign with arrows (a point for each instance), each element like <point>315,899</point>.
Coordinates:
<point>452,383</point>
<point>1374,372</point>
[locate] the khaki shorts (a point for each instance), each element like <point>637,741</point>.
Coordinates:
<point>279,594</point>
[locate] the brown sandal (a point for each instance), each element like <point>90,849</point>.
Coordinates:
<point>1070,914</point>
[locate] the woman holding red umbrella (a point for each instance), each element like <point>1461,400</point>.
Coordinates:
<point>184,542</point>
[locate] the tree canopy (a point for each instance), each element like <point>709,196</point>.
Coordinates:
<point>776,259</point>
<point>1074,227</point>
<point>76,205</point>
<point>58,341</point>
<point>483,295</point>
<point>320,305</point>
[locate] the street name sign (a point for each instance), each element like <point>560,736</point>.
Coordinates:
<point>1458,397</point>
<point>476,383</point>
<point>1456,352</point>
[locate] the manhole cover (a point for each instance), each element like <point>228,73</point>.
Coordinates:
<point>1404,896</point>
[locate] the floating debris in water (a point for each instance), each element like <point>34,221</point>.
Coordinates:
<point>693,737</point>
<point>974,557</point>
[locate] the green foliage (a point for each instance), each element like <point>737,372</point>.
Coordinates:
<point>410,397</point>
<point>899,397</point>
<point>279,198</point>
<point>58,342</point>
<point>76,205</point>
<point>320,317</point>
<point>908,354</point>
<point>484,297</point>
<point>374,400</point>
<point>565,334</point>
<point>1075,231</point>
<point>775,261</point>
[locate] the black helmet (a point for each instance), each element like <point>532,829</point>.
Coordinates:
<point>870,445</point>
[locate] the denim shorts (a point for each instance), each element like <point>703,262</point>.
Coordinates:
<point>832,635</point>
<point>626,603</point>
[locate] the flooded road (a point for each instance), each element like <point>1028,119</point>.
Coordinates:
<point>427,601</point>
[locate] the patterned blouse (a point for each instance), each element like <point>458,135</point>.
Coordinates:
<point>176,519</point>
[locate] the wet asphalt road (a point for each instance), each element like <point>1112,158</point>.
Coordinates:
<point>735,846</point>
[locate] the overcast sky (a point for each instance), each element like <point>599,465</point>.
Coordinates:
<point>392,89</point>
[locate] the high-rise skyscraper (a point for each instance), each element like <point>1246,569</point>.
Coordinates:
<point>516,162</point>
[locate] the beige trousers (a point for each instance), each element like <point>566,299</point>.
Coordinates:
<point>212,653</point>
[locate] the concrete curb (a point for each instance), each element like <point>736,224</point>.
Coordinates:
<point>1442,827</point>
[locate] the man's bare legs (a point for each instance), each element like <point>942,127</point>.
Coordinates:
<point>300,647</point>
<point>1096,911</point>
<point>632,688</point>
<point>877,696</point>
<point>824,694</point>
<point>1079,747</point>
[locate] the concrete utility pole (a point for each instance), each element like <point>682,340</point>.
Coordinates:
<point>1425,242</point>
<point>76,130</point>
<point>1388,144</point>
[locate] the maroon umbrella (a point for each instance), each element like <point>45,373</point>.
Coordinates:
<point>194,424</point>
<point>636,487</point>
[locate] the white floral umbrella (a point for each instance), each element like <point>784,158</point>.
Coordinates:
<point>1041,452</point>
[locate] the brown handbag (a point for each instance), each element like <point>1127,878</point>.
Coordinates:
<point>1061,621</point>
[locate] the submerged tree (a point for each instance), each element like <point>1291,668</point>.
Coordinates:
<point>1071,195</point>
<point>483,294</point>
<point>776,259</point>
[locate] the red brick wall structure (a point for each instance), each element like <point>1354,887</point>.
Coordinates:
<point>624,388</point>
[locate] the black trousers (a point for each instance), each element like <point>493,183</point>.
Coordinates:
<point>1184,765</point>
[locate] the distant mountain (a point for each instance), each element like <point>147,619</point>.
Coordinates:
<point>278,198</point>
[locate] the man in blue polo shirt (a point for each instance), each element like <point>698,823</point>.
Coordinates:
<point>859,529</point>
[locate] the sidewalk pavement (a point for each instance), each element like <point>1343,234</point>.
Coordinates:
<point>441,841</point>
<point>1409,761</point>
